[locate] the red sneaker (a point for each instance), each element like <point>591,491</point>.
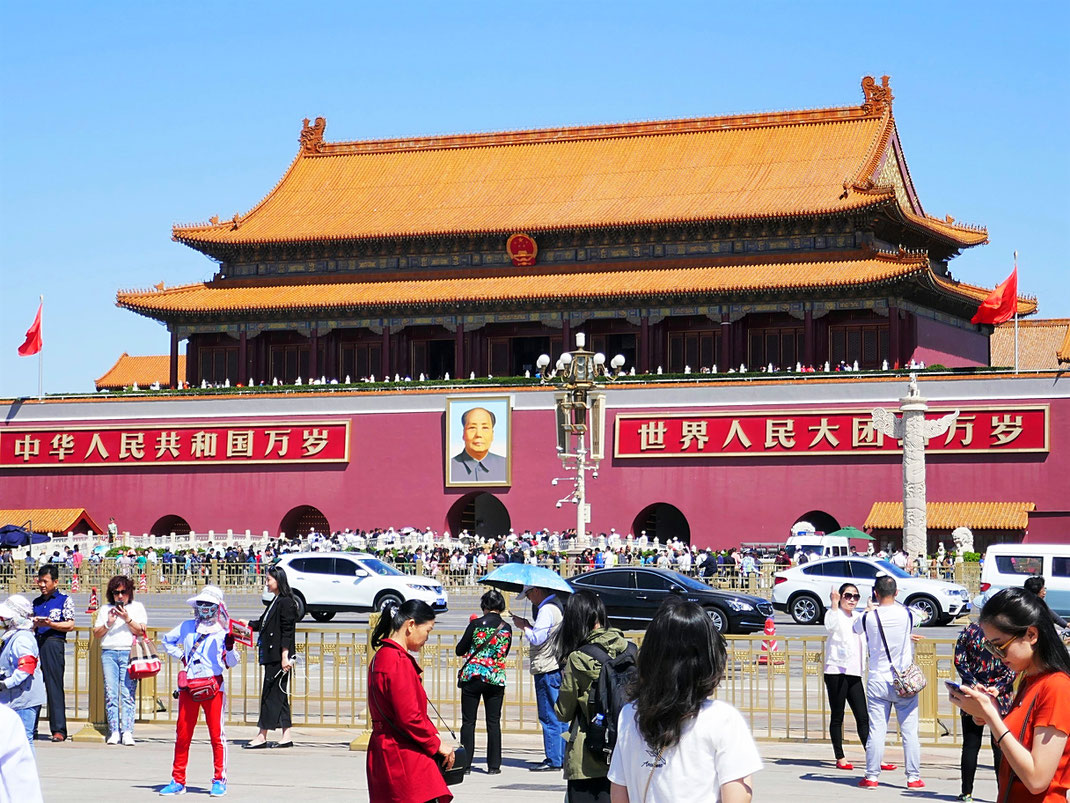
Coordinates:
<point>889,767</point>
<point>917,783</point>
<point>844,764</point>
<point>868,783</point>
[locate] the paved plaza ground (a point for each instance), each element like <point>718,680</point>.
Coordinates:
<point>321,766</point>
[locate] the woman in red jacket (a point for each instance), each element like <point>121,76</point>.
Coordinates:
<point>405,748</point>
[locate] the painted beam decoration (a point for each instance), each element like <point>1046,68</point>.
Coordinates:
<point>206,443</point>
<point>798,432</point>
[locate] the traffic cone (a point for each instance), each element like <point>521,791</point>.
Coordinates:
<point>770,646</point>
<point>94,601</point>
<point>75,586</point>
<point>142,584</point>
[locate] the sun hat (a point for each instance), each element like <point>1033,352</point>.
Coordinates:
<point>18,608</point>
<point>211,594</point>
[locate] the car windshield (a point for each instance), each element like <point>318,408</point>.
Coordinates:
<point>892,569</point>
<point>689,582</point>
<point>376,566</point>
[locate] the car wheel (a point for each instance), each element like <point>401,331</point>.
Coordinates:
<point>387,600</point>
<point>805,609</point>
<point>301,608</point>
<point>718,618</point>
<point>927,609</point>
<point>323,616</point>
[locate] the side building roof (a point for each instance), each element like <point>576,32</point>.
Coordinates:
<point>1042,344</point>
<point>738,167</point>
<point>142,371</point>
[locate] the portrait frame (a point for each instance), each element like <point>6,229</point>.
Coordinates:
<point>458,462</point>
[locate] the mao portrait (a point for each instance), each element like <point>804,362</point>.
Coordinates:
<point>478,432</point>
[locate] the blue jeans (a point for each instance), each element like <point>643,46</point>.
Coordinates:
<point>547,687</point>
<point>29,720</point>
<point>119,689</point>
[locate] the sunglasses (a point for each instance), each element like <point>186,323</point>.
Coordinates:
<point>998,650</point>
<point>854,597</point>
<point>121,591</point>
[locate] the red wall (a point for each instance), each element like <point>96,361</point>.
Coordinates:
<point>395,478</point>
<point>942,344</point>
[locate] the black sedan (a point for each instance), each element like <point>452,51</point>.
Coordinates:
<point>632,595</point>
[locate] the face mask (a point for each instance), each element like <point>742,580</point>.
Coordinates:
<point>206,611</point>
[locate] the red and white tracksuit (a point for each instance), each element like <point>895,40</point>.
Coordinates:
<point>208,658</point>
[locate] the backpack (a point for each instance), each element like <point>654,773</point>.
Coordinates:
<point>607,696</point>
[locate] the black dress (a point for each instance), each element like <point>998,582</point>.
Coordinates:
<point>277,627</point>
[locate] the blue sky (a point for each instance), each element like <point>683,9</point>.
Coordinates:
<point>119,119</point>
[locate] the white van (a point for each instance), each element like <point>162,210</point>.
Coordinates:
<point>1008,566</point>
<point>816,546</point>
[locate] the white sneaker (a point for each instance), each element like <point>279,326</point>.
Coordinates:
<point>114,738</point>
<point>128,739</point>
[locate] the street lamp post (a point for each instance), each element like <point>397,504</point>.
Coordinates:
<point>578,373</point>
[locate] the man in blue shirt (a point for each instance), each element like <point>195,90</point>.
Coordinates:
<point>53,614</point>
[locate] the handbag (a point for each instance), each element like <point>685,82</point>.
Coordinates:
<point>144,662</point>
<point>911,680</point>
<point>200,689</point>
<point>472,654</point>
<point>452,776</point>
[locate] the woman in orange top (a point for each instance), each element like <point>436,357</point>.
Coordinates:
<point>1033,736</point>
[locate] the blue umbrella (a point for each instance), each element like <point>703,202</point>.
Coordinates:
<point>11,535</point>
<point>515,576</point>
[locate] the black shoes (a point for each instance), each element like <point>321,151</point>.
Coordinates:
<point>545,766</point>
<point>251,746</point>
<point>495,771</point>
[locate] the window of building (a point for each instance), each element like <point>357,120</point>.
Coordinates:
<point>865,343</point>
<point>288,363</point>
<point>359,360</point>
<point>781,346</point>
<point>697,349</point>
<point>218,364</point>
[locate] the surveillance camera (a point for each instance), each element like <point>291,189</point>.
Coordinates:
<point>553,481</point>
<point>596,475</point>
<point>559,504</point>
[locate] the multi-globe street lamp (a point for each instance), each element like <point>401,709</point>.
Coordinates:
<point>580,412</point>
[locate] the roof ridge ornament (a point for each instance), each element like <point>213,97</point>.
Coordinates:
<point>878,98</point>
<point>312,136</point>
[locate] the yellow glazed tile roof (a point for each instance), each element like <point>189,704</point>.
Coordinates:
<point>142,370</point>
<point>49,520</point>
<point>755,166</point>
<point>473,289</point>
<point>1064,350</point>
<point>1039,344</point>
<point>949,515</point>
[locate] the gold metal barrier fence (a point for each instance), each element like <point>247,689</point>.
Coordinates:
<point>781,694</point>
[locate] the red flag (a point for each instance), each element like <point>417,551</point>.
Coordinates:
<point>33,336</point>
<point>1001,303</point>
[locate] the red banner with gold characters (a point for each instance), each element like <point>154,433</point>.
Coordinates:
<point>209,443</point>
<point>815,432</point>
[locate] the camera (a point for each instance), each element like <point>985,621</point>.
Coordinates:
<point>559,504</point>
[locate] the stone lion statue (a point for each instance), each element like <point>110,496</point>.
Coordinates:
<point>963,539</point>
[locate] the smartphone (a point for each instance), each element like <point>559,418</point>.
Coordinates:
<point>953,685</point>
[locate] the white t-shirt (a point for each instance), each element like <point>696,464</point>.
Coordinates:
<point>896,621</point>
<point>18,772</point>
<point>119,636</point>
<point>714,748</point>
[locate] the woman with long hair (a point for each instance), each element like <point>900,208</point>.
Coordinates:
<point>485,645</point>
<point>1033,735</point>
<point>276,646</point>
<point>844,657</point>
<point>117,624</point>
<point>402,766</point>
<point>584,644</point>
<point>675,744</point>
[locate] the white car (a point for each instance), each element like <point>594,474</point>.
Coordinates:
<point>803,591</point>
<point>326,583</point>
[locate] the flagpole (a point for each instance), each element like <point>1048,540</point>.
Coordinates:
<point>41,359</point>
<point>1016,315</point>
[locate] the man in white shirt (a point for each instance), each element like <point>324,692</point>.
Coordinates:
<point>18,772</point>
<point>892,649</point>
<point>542,637</point>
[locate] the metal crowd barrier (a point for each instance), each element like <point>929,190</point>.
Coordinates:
<point>780,693</point>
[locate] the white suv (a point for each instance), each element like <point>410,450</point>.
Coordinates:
<point>326,583</point>
<point>803,591</point>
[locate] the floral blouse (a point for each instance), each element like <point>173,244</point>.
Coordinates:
<point>485,645</point>
<point>978,666</point>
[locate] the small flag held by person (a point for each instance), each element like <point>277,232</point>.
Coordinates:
<point>33,336</point>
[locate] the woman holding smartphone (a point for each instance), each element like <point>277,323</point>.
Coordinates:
<point>844,665</point>
<point>1033,735</point>
<point>117,625</point>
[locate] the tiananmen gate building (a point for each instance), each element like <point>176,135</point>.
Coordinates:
<point>693,247</point>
